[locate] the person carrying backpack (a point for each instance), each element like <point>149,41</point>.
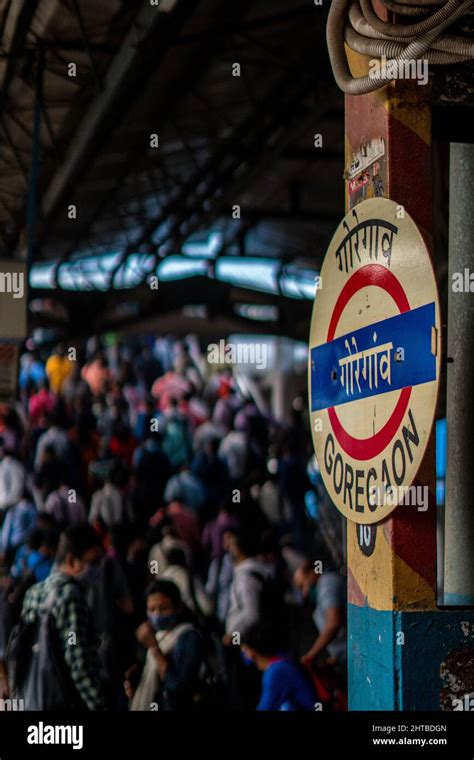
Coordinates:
<point>110,602</point>
<point>51,655</point>
<point>254,593</point>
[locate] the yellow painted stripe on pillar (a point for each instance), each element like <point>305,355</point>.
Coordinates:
<point>385,580</point>
<point>407,107</point>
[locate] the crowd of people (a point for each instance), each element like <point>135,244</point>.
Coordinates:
<point>156,548</point>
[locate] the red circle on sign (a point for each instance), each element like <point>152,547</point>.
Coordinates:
<point>366,448</point>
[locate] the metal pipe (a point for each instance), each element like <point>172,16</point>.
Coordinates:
<point>32,200</point>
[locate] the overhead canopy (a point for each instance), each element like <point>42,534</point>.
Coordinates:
<point>184,131</point>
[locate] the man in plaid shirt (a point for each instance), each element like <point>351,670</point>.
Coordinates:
<point>79,545</point>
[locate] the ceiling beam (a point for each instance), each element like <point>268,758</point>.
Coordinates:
<point>135,59</point>
<point>17,24</point>
<point>195,64</point>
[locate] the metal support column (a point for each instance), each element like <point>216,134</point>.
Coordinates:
<point>32,202</point>
<point>459,520</point>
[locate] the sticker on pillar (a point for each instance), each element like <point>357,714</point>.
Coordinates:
<point>374,360</point>
<point>366,172</point>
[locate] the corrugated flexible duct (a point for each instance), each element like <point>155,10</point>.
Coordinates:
<point>356,23</point>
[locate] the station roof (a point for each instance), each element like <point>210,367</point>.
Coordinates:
<point>99,80</point>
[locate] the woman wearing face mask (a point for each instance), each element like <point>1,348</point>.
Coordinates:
<point>175,654</point>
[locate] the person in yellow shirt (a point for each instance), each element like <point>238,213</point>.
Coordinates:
<point>58,369</point>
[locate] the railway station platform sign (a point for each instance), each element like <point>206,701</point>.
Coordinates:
<point>374,360</point>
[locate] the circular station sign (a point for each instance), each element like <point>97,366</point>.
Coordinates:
<point>374,360</point>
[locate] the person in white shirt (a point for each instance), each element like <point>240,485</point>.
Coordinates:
<point>12,479</point>
<point>249,577</point>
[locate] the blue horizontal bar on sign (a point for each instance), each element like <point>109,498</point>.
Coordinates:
<point>382,357</point>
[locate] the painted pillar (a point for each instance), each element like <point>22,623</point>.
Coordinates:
<point>402,649</point>
<point>459,515</point>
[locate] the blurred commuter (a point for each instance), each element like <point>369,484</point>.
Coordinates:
<point>110,504</point>
<point>190,587</point>
<point>151,470</point>
<point>19,522</point>
<point>96,374</point>
<point>54,439</point>
<point>186,488</point>
<point>110,601</point>
<point>41,404</point>
<point>251,578</point>
<point>65,505</point>
<point>58,369</point>
<point>212,472</point>
<point>32,370</point>
<point>184,523</point>
<point>233,451</point>
<point>71,617</point>
<point>176,435</point>
<point>13,478</point>
<point>35,558</point>
<point>188,485</point>
<point>286,685</point>
<point>327,593</point>
<point>49,473</point>
<point>174,654</point>
<point>293,484</point>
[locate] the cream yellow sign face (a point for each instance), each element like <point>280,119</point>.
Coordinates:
<point>374,360</point>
